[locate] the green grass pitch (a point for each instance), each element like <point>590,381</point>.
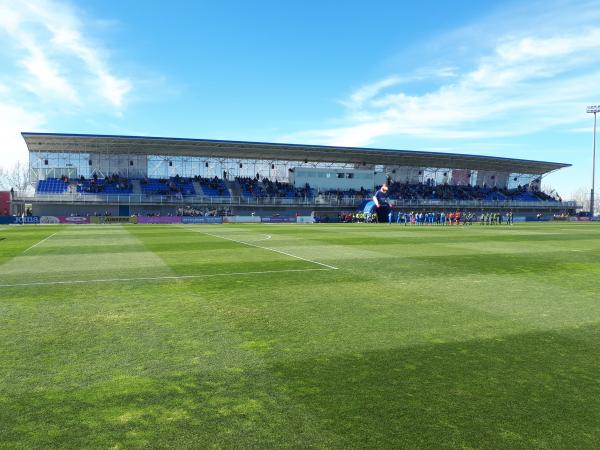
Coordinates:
<point>300,336</point>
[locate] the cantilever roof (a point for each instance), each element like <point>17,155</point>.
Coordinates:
<point>132,145</point>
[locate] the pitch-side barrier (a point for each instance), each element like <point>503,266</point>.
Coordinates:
<point>144,220</point>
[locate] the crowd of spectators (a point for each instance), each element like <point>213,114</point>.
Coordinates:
<point>255,187</point>
<point>431,191</point>
<point>113,184</point>
<point>444,192</point>
<point>339,194</point>
<point>174,186</point>
<point>250,187</point>
<point>213,186</point>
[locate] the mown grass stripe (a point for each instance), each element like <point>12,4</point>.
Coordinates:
<point>40,242</point>
<point>173,277</point>
<point>266,248</point>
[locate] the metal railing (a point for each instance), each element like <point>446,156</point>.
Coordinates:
<point>316,201</point>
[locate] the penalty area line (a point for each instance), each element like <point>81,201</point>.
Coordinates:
<point>165,278</point>
<point>266,248</point>
<point>43,240</point>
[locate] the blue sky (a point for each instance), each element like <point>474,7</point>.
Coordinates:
<point>496,78</point>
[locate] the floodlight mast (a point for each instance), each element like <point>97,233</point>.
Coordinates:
<point>593,110</point>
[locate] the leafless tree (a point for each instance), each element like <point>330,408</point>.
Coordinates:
<point>16,177</point>
<point>582,197</point>
<point>549,189</point>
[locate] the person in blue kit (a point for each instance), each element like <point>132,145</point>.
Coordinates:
<point>382,208</point>
<point>399,217</point>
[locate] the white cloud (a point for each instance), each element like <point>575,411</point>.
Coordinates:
<point>367,92</point>
<point>50,67</point>
<point>60,62</point>
<point>586,130</point>
<point>527,80</point>
<point>46,78</point>
<point>13,120</point>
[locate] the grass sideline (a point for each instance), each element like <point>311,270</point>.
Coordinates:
<point>424,337</point>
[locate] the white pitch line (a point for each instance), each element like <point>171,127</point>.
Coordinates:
<point>166,278</point>
<point>266,248</point>
<point>35,245</point>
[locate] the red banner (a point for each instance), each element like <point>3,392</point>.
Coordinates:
<point>4,203</point>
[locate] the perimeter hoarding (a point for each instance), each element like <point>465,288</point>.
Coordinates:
<point>112,219</point>
<point>241,219</point>
<point>278,220</point>
<point>168,220</point>
<point>73,219</point>
<point>202,220</point>
<point>27,220</point>
<point>49,220</point>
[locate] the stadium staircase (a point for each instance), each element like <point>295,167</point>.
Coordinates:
<point>135,187</point>
<point>234,188</point>
<point>197,187</point>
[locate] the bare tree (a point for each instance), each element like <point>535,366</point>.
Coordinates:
<point>582,197</point>
<point>16,177</point>
<point>549,190</point>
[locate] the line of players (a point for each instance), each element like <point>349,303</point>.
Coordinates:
<point>429,218</point>
<point>437,218</point>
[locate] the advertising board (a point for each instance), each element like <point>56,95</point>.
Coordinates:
<point>49,220</point>
<point>278,219</point>
<point>73,219</point>
<point>241,219</point>
<point>159,219</point>
<point>27,220</point>
<point>112,219</point>
<point>202,219</point>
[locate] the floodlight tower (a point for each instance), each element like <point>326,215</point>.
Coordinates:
<point>593,110</point>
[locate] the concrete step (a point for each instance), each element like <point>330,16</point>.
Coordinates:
<point>198,188</point>
<point>234,188</point>
<point>135,187</point>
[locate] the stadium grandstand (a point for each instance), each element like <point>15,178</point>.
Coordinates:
<point>76,174</point>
